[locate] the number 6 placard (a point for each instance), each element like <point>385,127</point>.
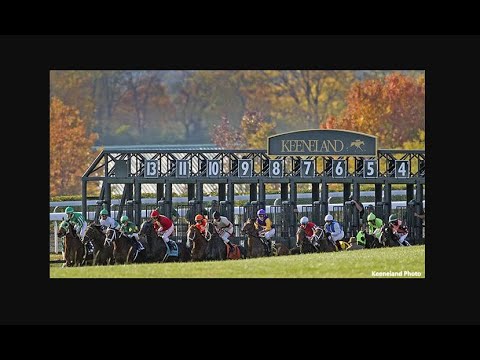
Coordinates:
<point>245,168</point>
<point>339,168</point>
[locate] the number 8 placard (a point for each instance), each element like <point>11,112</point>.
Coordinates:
<point>275,168</point>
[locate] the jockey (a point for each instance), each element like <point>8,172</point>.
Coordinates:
<point>108,222</point>
<point>398,229</point>
<point>374,225</point>
<point>77,219</point>
<point>162,225</point>
<point>224,228</point>
<point>264,226</point>
<point>130,229</point>
<point>333,231</point>
<point>200,223</point>
<point>310,229</point>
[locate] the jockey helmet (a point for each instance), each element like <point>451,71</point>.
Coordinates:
<point>154,213</point>
<point>304,220</point>
<point>198,217</point>
<point>69,210</point>
<point>124,218</point>
<point>392,218</point>
<point>328,217</point>
<point>104,212</point>
<point>370,207</point>
<point>216,215</point>
<point>371,217</point>
<point>261,212</point>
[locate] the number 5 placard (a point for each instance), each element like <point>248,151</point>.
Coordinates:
<point>370,169</point>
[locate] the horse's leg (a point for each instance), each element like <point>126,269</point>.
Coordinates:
<point>129,253</point>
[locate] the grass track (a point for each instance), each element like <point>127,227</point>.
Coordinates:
<point>349,264</point>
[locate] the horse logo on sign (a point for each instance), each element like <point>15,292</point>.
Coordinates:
<point>358,144</point>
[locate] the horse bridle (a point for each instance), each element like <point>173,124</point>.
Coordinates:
<point>208,234</point>
<point>108,241</point>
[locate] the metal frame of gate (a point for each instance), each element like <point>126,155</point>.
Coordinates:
<point>126,167</point>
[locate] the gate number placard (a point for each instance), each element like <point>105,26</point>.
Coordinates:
<point>275,168</point>
<point>307,168</point>
<point>402,169</point>
<point>370,169</point>
<point>213,168</point>
<point>245,168</point>
<point>339,168</point>
<point>151,169</point>
<point>183,168</point>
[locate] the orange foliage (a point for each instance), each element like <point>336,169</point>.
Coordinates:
<point>226,136</point>
<point>393,109</point>
<point>70,149</point>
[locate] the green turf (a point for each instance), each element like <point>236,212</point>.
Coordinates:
<point>349,264</point>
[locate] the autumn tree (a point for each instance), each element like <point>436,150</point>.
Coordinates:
<point>76,88</point>
<point>227,136</point>
<point>252,134</point>
<point>417,143</point>
<point>392,108</point>
<point>297,98</point>
<point>256,129</point>
<point>70,148</point>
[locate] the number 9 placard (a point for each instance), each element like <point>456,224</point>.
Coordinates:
<point>245,168</point>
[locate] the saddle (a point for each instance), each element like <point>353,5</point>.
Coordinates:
<point>172,248</point>
<point>233,253</point>
<point>266,245</point>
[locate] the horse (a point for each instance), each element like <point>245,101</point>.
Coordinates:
<point>74,249</point>
<point>123,248</point>
<point>371,241</point>
<point>102,249</point>
<point>210,246</point>
<point>389,238</point>
<point>279,249</point>
<point>324,245</point>
<point>157,249</point>
<point>256,248</point>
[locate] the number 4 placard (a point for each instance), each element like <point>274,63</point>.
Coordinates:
<point>402,169</point>
<point>339,168</point>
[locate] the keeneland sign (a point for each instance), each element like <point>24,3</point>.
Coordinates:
<point>322,142</point>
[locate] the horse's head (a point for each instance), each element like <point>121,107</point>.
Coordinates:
<point>63,229</point>
<point>93,232</point>
<point>300,235</point>
<point>147,229</point>
<point>249,228</point>
<point>196,242</point>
